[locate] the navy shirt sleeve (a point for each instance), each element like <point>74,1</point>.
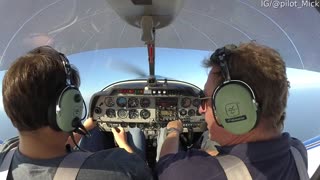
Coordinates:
<point>193,164</point>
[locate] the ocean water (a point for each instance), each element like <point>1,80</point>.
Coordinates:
<point>303,112</point>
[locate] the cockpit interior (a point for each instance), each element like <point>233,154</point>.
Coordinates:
<point>114,42</point>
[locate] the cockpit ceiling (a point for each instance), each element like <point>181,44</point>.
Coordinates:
<point>74,26</point>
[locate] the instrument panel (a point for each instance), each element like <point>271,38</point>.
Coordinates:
<point>134,103</point>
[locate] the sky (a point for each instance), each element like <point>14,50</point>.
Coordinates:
<point>100,68</point>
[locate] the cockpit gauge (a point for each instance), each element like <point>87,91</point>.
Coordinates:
<point>132,125</point>
<point>145,114</point>
<point>123,124</point>
<point>121,101</point>
<point>145,102</point>
<point>122,113</point>
<point>141,125</point>
<point>111,113</point>
<point>97,110</point>
<point>133,114</point>
<point>191,112</point>
<point>196,102</point>
<point>109,101</point>
<point>133,102</point>
<point>185,102</point>
<point>183,112</point>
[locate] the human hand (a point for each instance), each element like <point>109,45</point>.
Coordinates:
<point>171,143</point>
<point>177,124</point>
<point>120,136</point>
<point>89,124</point>
<point>212,152</point>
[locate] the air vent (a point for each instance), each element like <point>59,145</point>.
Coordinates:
<point>142,2</point>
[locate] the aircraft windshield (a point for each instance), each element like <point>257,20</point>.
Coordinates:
<point>102,67</point>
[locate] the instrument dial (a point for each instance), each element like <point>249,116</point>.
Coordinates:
<point>133,102</point>
<point>196,102</point>
<point>123,124</point>
<point>145,114</point>
<point>183,112</point>
<point>132,125</point>
<point>142,125</point>
<point>185,102</point>
<point>191,112</point>
<point>145,102</point>
<point>109,101</point>
<point>122,113</point>
<point>121,101</point>
<point>133,114</point>
<point>97,110</point>
<point>111,113</point>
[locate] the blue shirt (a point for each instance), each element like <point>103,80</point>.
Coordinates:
<point>265,160</point>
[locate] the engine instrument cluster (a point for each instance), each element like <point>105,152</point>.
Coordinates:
<point>135,104</point>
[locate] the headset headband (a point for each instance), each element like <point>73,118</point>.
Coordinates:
<point>67,68</point>
<point>220,57</point>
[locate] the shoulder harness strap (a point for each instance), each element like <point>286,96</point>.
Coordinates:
<point>302,169</point>
<point>70,165</point>
<point>234,167</point>
<point>68,168</point>
<point>5,166</point>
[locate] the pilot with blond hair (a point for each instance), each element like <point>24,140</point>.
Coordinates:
<point>244,104</point>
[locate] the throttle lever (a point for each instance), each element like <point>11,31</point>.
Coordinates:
<point>190,138</point>
<point>187,142</point>
<point>190,135</point>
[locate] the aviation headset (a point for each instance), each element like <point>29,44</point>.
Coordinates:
<point>66,114</point>
<point>233,102</point>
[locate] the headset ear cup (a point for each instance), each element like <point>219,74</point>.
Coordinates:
<point>52,117</point>
<point>69,109</point>
<point>217,118</point>
<point>235,107</point>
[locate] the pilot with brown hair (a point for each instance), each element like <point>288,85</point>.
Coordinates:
<point>41,98</point>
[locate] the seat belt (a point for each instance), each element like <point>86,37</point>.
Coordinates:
<point>70,165</point>
<point>302,169</point>
<point>5,166</point>
<point>68,168</point>
<point>316,174</point>
<point>234,167</point>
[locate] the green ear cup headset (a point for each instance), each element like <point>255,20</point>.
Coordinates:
<point>69,105</point>
<point>233,102</point>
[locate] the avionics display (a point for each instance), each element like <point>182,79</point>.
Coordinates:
<point>166,108</point>
<point>166,102</point>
